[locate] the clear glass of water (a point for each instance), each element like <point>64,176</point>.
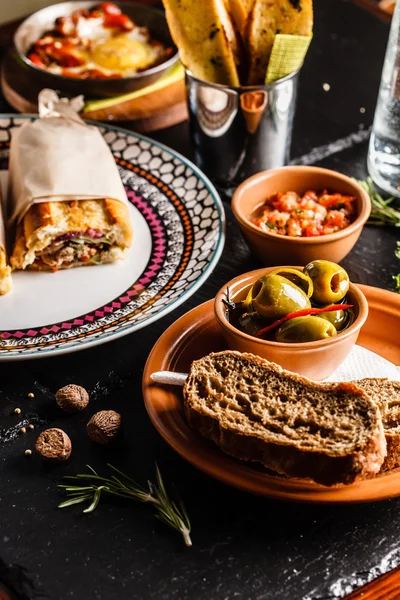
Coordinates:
<point>384,147</point>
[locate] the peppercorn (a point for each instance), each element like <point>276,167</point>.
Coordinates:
<point>30,426</point>
<point>23,430</point>
<point>28,452</point>
<point>104,426</point>
<point>72,398</point>
<point>31,395</point>
<point>17,411</point>
<point>54,445</point>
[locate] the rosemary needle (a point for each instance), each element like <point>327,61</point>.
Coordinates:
<point>91,486</point>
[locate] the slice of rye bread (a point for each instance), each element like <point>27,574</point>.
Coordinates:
<point>254,410</point>
<point>387,395</point>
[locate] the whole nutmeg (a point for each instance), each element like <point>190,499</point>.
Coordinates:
<point>104,426</point>
<point>54,445</point>
<point>72,398</point>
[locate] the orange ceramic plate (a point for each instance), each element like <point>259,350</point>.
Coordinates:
<point>196,334</point>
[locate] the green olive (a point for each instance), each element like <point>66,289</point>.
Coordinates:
<point>274,296</point>
<point>331,282</point>
<point>338,318</point>
<point>305,329</point>
<point>250,323</point>
<point>297,277</point>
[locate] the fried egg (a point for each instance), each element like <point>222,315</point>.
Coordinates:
<point>121,54</point>
<point>92,29</point>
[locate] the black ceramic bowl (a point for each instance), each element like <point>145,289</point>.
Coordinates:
<point>35,25</point>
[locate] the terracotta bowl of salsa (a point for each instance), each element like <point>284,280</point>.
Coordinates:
<point>315,359</point>
<point>299,214</point>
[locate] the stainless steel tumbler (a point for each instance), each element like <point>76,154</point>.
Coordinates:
<point>237,132</point>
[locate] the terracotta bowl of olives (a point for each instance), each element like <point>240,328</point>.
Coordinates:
<point>305,319</point>
<point>297,214</point>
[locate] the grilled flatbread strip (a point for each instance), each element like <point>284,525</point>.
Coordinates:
<point>294,17</point>
<point>60,235</point>
<point>240,10</point>
<point>206,39</point>
<point>254,410</point>
<point>266,19</point>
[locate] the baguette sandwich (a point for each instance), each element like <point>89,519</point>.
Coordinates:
<point>254,410</point>
<point>61,235</point>
<point>5,270</point>
<point>5,274</point>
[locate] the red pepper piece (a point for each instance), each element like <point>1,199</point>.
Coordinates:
<point>304,312</point>
<point>36,60</point>
<point>331,200</point>
<point>118,22</point>
<point>109,8</point>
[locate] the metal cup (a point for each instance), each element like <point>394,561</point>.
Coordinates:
<point>239,131</point>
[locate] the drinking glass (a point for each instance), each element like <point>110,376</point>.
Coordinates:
<point>384,146</point>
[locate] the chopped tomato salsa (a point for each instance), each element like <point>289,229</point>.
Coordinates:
<point>312,214</point>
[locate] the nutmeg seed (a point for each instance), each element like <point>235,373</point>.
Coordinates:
<point>54,445</point>
<point>104,426</point>
<point>72,398</point>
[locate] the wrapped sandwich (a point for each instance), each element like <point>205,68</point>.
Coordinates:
<point>5,270</point>
<point>66,197</point>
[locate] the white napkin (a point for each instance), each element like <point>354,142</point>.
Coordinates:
<point>363,363</point>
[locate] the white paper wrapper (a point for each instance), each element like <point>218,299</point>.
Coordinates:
<point>360,363</point>
<point>59,157</point>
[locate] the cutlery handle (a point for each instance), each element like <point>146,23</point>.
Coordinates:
<point>168,378</point>
<point>386,587</point>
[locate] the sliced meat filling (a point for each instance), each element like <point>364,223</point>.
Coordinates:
<point>65,253</point>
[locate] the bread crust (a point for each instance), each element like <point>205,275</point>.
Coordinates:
<point>205,37</point>
<point>265,20</point>
<point>287,458</point>
<point>5,274</point>
<point>386,394</point>
<point>45,221</point>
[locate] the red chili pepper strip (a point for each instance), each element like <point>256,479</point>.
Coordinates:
<point>303,313</point>
<point>36,59</point>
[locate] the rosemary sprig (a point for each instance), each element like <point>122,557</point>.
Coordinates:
<point>91,486</point>
<point>227,302</point>
<point>397,277</point>
<point>382,212</point>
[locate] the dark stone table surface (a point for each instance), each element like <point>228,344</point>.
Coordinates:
<point>244,547</point>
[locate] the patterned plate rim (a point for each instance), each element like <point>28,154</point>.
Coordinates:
<point>108,337</point>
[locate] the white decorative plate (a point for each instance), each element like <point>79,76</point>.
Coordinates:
<point>178,222</point>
